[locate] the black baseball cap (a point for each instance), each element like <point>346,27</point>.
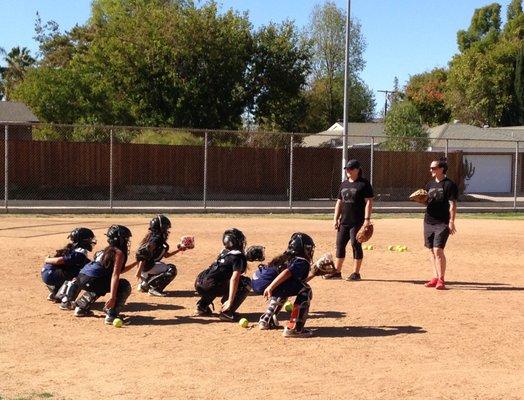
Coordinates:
<point>352,164</point>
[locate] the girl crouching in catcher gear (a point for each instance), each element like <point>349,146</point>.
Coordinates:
<point>286,276</point>
<point>102,276</point>
<point>67,262</point>
<point>154,275</point>
<point>225,278</point>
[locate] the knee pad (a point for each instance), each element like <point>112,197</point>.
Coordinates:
<point>62,291</point>
<point>300,310</point>
<point>71,290</point>
<point>123,292</point>
<point>86,300</point>
<point>160,281</point>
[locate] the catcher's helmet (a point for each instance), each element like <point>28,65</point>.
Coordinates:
<point>301,245</point>
<point>118,236</point>
<point>160,225</point>
<point>234,239</point>
<point>83,238</point>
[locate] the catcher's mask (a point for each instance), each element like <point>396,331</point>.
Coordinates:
<point>83,238</point>
<point>234,239</point>
<point>301,245</point>
<point>160,225</point>
<point>118,236</point>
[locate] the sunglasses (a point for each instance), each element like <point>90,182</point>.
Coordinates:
<point>433,168</point>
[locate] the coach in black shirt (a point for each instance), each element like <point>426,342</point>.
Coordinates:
<point>353,209</point>
<point>439,220</point>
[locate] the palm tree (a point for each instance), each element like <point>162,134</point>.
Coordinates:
<point>18,60</point>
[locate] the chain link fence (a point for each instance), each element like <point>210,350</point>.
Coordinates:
<point>121,169</point>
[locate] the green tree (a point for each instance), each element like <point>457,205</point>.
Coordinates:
<point>481,79</point>
<point>426,91</point>
<point>519,85</point>
<point>361,103</point>
<point>483,30</point>
<point>278,73</point>
<point>327,35</point>
<point>147,62</point>
<point>403,127</point>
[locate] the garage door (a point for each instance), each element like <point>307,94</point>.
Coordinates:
<point>492,173</point>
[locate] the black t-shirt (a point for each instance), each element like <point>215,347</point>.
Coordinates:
<point>227,262</point>
<point>354,195</point>
<point>439,196</point>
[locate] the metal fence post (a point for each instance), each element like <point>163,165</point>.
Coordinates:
<point>291,173</point>
<point>372,159</point>
<point>446,149</point>
<point>205,170</point>
<point>111,169</point>
<point>515,175</point>
<point>6,165</point>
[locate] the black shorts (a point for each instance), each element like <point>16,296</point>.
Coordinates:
<point>435,235</point>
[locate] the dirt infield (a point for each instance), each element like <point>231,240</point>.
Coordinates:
<point>386,337</point>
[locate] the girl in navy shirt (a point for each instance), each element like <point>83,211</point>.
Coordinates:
<point>286,276</point>
<point>67,262</point>
<point>102,276</point>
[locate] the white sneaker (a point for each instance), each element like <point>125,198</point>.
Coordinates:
<point>263,326</point>
<point>292,333</point>
<point>154,292</point>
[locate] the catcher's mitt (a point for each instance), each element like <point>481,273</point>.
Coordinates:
<point>365,233</point>
<point>187,242</point>
<point>256,253</point>
<point>420,196</point>
<point>324,265</point>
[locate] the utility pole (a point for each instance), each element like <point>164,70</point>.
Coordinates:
<point>386,93</point>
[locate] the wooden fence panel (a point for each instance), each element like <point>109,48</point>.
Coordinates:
<point>231,172</point>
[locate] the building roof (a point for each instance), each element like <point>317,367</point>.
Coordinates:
<point>13,111</point>
<point>359,134</point>
<point>469,137</point>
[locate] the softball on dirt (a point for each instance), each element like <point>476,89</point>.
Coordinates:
<point>365,247</point>
<point>243,323</point>
<point>117,323</point>
<point>370,247</point>
<point>391,248</point>
<point>288,306</point>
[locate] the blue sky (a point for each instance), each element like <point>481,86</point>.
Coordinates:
<point>404,37</point>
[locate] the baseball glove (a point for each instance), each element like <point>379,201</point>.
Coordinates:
<point>324,266</point>
<point>256,253</point>
<point>420,196</point>
<point>365,233</point>
<point>187,242</point>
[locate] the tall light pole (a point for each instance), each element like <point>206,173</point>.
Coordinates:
<point>346,95</point>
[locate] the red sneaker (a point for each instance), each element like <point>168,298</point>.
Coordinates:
<point>440,285</point>
<point>431,283</point>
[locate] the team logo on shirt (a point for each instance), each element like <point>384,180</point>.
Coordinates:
<point>349,194</point>
<point>436,194</point>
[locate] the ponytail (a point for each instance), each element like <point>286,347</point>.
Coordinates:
<point>443,163</point>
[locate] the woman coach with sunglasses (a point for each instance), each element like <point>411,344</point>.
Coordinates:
<point>439,219</point>
<point>352,210</point>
